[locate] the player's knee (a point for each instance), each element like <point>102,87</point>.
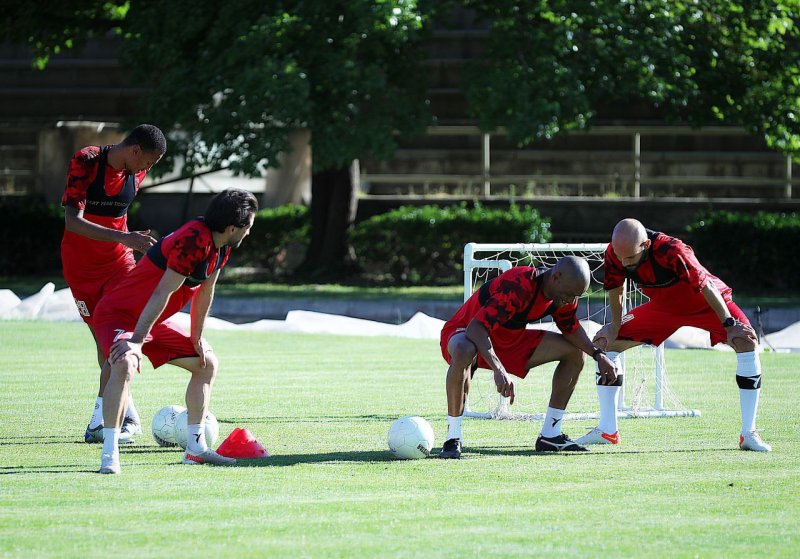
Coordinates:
<point>208,372</point>
<point>742,345</point>
<point>575,357</point>
<point>125,369</point>
<point>462,351</point>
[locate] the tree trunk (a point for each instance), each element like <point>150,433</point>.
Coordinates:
<point>333,209</point>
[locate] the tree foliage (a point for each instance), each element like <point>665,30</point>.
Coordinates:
<point>551,63</point>
<point>234,78</point>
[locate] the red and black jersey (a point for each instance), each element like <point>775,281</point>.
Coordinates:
<point>104,194</point>
<point>670,274</point>
<point>189,251</point>
<point>511,301</point>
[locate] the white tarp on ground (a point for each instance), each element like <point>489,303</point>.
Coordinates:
<point>58,306</point>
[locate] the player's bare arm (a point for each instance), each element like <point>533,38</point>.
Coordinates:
<point>581,340</point>
<point>170,282</point>
<point>74,222</point>
<point>478,335</point>
<point>739,334</point>
<point>201,305</point>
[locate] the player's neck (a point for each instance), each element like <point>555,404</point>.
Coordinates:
<point>220,239</point>
<point>116,157</point>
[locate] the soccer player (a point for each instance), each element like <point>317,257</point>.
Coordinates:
<point>97,248</point>
<point>133,318</point>
<point>489,331</point>
<point>682,293</point>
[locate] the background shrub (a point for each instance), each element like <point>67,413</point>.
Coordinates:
<point>276,243</point>
<point>423,245</point>
<point>757,252</point>
<point>30,234</point>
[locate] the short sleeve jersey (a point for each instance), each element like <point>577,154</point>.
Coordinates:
<point>189,251</point>
<point>105,195</point>
<point>513,300</point>
<point>670,275</point>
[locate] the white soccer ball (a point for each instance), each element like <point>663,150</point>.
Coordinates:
<point>163,426</point>
<point>181,427</point>
<point>411,437</point>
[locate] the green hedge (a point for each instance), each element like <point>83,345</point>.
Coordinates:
<point>752,252</point>
<point>30,236</point>
<point>276,242</point>
<point>424,245</point>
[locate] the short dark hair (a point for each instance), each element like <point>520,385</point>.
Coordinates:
<point>148,137</point>
<point>230,207</point>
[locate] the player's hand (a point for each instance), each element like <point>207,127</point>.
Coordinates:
<point>505,386</point>
<point>140,241</point>
<point>608,373</point>
<point>202,347</point>
<point>605,337</point>
<point>124,347</point>
<point>740,331</point>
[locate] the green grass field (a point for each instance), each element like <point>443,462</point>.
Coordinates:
<point>322,406</point>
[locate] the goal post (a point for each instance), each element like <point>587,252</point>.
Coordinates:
<point>649,393</point>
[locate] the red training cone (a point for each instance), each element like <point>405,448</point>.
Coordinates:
<point>242,444</point>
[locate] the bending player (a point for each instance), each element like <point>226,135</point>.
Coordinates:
<point>682,293</point>
<point>97,248</point>
<point>489,332</point>
<point>133,319</point>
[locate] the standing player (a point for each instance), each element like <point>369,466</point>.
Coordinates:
<point>132,318</point>
<point>682,293</point>
<point>97,247</point>
<point>489,331</point>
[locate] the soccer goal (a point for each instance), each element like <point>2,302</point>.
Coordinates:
<point>646,392</point>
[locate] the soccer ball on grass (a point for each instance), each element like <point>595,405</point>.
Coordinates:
<point>411,437</point>
<point>163,425</point>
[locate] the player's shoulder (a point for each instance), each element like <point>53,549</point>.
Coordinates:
<point>88,155</point>
<point>197,230</point>
<point>666,245</point>
<point>520,273</point>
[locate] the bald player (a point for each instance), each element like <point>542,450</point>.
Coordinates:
<point>489,332</point>
<point>682,293</point>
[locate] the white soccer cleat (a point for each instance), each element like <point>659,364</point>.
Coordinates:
<point>129,429</point>
<point>109,464</point>
<point>752,441</point>
<point>597,436</point>
<point>207,457</point>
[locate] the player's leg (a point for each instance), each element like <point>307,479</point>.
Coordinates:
<point>198,397</point>
<point>742,339</point>
<point>169,343</point>
<point>644,324</point>
<point>114,401</point>
<point>607,431</point>
<point>461,354</point>
<point>554,347</point>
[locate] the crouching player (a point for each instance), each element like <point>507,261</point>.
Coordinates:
<point>133,318</point>
<point>489,331</point>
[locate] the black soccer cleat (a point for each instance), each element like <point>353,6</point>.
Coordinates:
<point>561,443</point>
<point>451,449</point>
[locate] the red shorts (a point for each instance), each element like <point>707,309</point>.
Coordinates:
<point>513,347</point>
<point>166,341</point>
<point>653,324</point>
<point>87,291</point>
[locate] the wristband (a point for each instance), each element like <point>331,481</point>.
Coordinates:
<point>597,351</point>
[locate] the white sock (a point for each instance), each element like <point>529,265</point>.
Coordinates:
<point>97,415</point>
<point>454,427</point>
<point>131,410</point>
<point>196,438</point>
<point>552,422</point>
<point>748,377</point>
<point>608,397</point>
<point>110,440</point>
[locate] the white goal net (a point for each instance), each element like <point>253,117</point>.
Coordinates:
<point>646,391</point>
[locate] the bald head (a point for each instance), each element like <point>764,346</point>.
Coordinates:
<point>575,274</point>
<point>630,243</point>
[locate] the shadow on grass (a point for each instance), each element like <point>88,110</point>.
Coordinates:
<point>317,419</point>
<point>528,451</point>
<point>322,457</point>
